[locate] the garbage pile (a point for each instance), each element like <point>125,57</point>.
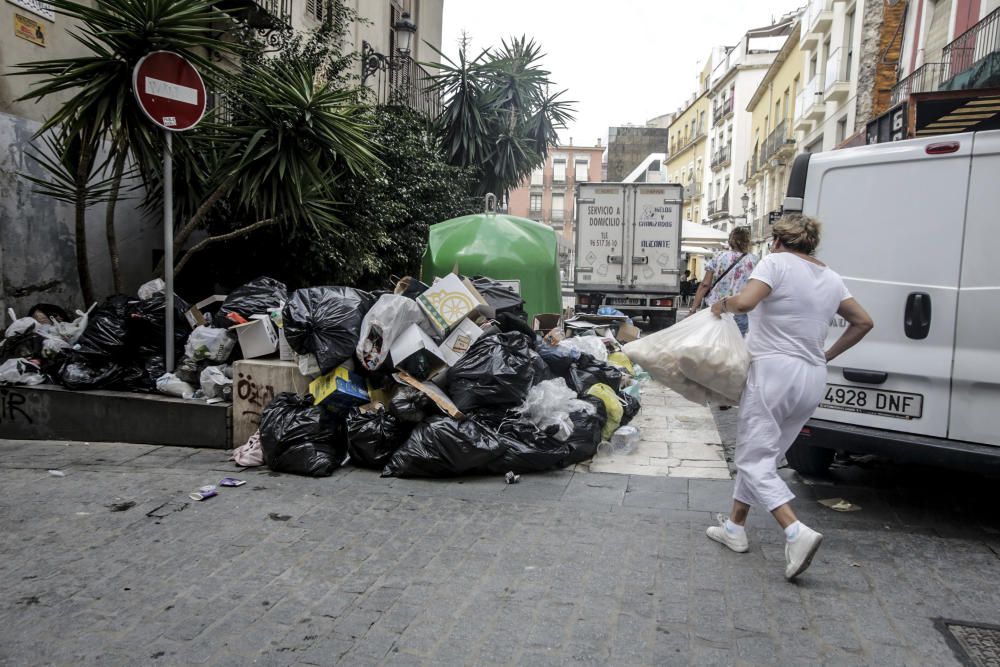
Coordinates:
<point>417,381</point>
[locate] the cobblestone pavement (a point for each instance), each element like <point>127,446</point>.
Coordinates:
<point>679,439</point>
<point>113,564</point>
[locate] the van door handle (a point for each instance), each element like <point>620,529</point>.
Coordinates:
<point>917,317</point>
<point>867,377</point>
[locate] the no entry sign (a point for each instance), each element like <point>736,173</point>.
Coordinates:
<point>169,90</point>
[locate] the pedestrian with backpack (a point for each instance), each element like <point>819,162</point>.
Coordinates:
<point>727,273</point>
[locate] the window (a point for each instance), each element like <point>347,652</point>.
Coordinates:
<point>841,130</point>
<point>787,99</point>
<point>813,65</point>
<point>557,207</point>
<point>582,169</point>
<point>314,9</point>
<point>559,170</point>
<point>849,44</point>
<point>536,177</point>
<point>536,203</point>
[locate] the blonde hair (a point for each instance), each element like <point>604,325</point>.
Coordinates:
<point>797,232</point>
<point>739,239</point>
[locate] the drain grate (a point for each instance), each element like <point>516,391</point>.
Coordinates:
<point>977,643</point>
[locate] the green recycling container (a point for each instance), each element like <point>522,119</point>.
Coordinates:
<point>513,250</point>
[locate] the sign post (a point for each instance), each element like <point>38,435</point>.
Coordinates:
<point>171,93</point>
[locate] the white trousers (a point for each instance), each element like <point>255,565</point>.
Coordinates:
<point>780,396</point>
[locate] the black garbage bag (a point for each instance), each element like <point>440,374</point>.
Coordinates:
<point>409,404</point>
<point>559,358</point>
<point>497,371</point>
<point>82,372</point>
<point>149,325</point>
<point>327,322</point>
<point>493,417</point>
<point>542,370</point>
<point>107,335</point>
<point>500,297</point>
<point>587,429</point>
<point>630,406</point>
<point>508,322</point>
<point>443,447</point>
<point>255,298</point>
<point>189,370</point>
<point>588,371</point>
<point>373,437</point>
<point>300,438</point>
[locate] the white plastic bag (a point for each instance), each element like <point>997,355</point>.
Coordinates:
<point>549,404</point>
<point>702,357</point>
<point>148,290</point>
<point>213,379</point>
<point>20,325</point>
<point>20,371</point>
<point>250,454</point>
<point>391,315</point>
<point>592,345</point>
<point>171,385</point>
<point>209,343</point>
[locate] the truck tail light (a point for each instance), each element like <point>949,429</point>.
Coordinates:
<point>663,303</point>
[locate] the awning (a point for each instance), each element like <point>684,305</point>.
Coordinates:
<point>696,250</point>
<point>693,231</point>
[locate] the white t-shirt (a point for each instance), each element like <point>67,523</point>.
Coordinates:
<point>794,318</point>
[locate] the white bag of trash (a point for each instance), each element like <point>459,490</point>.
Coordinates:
<point>209,343</point>
<point>549,404</point>
<point>592,345</point>
<point>171,385</point>
<point>213,381</point>
<point>148,290</point>
<point>20,371</point>
<point>391,315</point>
<point>702,357</point>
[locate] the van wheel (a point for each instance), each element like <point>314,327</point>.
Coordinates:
<point>809,460</point>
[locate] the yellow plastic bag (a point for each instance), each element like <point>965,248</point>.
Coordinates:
<point>622,361</point>
<point>613,406</point>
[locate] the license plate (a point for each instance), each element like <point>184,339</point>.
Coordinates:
<point>620,301</point>
<point>873,401</point>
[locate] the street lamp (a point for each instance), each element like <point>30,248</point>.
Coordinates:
<point>372,61</point>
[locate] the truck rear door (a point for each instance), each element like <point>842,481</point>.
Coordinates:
<point>600,236</point>
<point>653,263</point>
<point>892,227</point>
<point>975,392</point>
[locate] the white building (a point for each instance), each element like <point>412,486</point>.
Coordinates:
<point>737,72</point>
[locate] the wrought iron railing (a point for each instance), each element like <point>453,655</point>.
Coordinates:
<point>692,190</point>
<point>403,82</point>
<point>721,110</point>
<point>926,78</point>
<point>722,156</point>
<point>688,141</point>
<point>780,137</point>
<point>976,43</point>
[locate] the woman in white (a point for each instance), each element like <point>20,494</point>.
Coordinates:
<point>791,297</point>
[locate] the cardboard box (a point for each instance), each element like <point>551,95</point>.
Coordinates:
<point>196,313</point>
<point>450,300</point>
<point>459,341</point>
<point>340,389</point>
<point>255,384</point>
<point>416,353</point>
<point>257,337</point>
<point>546,322</point>
<point>433,392</point>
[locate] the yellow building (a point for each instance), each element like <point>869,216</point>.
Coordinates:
<point>687,149</point>
<point>772,138</point>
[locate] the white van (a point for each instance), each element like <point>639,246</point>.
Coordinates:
<point>914,229</point>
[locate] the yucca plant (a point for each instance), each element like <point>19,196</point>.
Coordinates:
<point>116,34</point>
<point>498,115</point>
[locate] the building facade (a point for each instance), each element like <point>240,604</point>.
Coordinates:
<point>549,194</point>
<point>687,152</point>
<point>628,146</point>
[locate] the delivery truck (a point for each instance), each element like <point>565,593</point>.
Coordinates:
<point>628,249</point>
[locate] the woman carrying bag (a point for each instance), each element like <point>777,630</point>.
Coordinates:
<point>726,274</point>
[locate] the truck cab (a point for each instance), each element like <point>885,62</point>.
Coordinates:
<point>912,228</point>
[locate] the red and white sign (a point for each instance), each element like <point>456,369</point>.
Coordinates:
<point>170,90</point>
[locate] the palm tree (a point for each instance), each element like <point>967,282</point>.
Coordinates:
<point>498,115</point>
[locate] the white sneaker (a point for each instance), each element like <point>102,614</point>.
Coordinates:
<point>737,543</point>
<point>800,551</point>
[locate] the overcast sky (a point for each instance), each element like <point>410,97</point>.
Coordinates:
<point>623,61</point>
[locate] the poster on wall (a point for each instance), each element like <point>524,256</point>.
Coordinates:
<point>29,29</point>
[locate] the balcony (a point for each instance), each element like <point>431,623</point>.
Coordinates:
<point>750,170</point>
<point>816,23</point>
<point>838,84</point>
<point>688,142</point>
<point>780,144</point>
<point>970,62</point>
<point>722,111</point>
<point>405,83</point>
<point>722,157</point>
<point>692,190</point>
<point>809,105</point>
<point>264,15</point>
<point>719,207</point>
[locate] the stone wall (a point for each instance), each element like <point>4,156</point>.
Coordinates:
<point>628,146</point>
<point>882,36</point>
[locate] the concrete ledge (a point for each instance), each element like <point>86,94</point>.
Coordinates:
<point>49,412</point>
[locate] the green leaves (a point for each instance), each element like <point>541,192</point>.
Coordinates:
<point>499,116</point>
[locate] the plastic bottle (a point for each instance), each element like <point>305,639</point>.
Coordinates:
<point>624,439</point>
